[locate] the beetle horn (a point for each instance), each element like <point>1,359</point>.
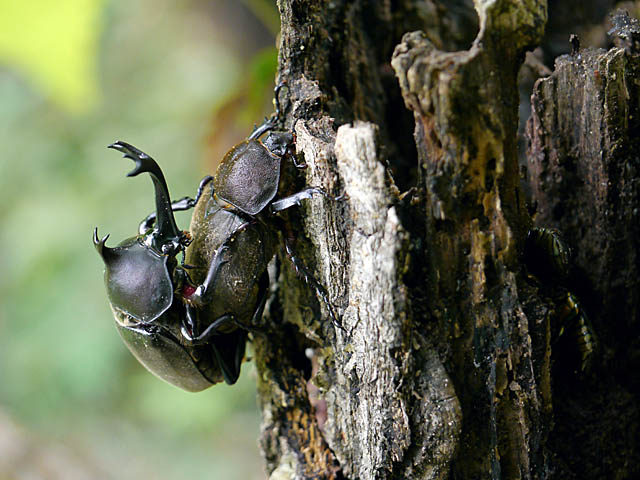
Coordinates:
<point>167,230</point>
<point>102,249</point>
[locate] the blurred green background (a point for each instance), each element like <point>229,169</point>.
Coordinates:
<point>182,81</point>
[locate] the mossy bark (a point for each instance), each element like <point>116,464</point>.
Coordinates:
<point>444,366</point>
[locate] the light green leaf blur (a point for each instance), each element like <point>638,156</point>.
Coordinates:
<point>75,76</point>
<point>53,44</point>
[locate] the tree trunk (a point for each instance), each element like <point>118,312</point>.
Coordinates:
<point>445,366</point>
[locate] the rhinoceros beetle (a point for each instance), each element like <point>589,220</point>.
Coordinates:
<point>187,321</point>
<point>151,294</point>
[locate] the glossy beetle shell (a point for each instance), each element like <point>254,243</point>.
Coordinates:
<point>188,323</point>
<point>239,285</point>
<point>137,280</point>
<point>159,350</point>
<point>248,175</point>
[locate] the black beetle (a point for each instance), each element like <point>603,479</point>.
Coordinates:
<point>187,323</point>
<point>247,178</point>
<point>152,296</point>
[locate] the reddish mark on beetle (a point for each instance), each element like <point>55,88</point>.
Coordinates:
<point>188,291</point>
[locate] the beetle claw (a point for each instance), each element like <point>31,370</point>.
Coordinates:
<point>276,97</point>
<point>185,333</point>
<point>297,164</point>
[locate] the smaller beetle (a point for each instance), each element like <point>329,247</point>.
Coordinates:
<point>245,184</point>
<point>247,178</point>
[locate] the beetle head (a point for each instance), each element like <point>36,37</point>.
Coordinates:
<point>279,143</point>
<point>138,271</point>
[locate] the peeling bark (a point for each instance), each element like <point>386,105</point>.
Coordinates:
<point>584,177</point>
<point>444,366</point>
<point>465,108</point>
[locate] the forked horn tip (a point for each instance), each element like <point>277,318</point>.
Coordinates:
<point>99,243</point>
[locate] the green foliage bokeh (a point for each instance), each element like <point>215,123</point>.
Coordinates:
<point>75,76</point>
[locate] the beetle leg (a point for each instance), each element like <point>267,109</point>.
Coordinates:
<point>203,183</point>
<point>210,331</point>
<point>189,322</point>
<point>267,125</point>
<point>184,203</point>
<point>276,97</point>
<point>296,198</point>
<point>303,272</point>
<point>200,296</point>
<point>230,359</point>
<point>263,292</point>
<point>201,293</point>
<point>297,164</point>
<point>271,122</point>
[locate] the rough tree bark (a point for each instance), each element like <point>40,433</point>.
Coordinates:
<point>444,366</point>
<point>584,177</point>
